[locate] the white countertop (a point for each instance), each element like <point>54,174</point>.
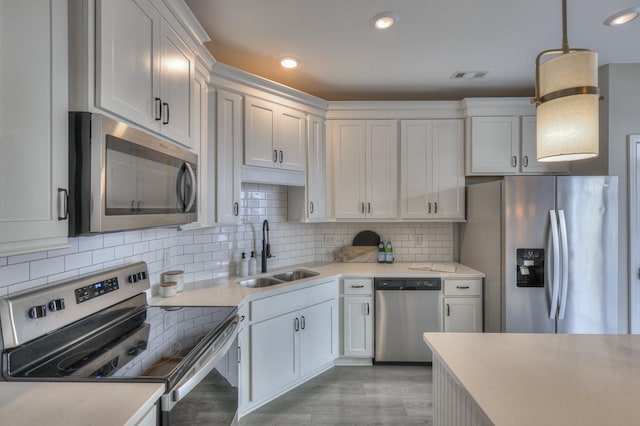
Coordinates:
<point>96,404</point>
<point>227,292</point>
<point>546,379</point>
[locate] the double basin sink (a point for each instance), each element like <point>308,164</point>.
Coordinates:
<point>283,277</point>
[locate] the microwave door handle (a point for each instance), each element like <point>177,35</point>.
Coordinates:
<point>194,187</point>
<point>179,187</point>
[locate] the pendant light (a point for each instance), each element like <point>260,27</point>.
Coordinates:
<point>566,101</point>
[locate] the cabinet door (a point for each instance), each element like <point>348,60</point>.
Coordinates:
<point>127,66</point>
<point>291,139</point>
<point>415,168</point>
<point>494,145</point>
<point>34,124</point>
<point>447,166</point>
<point>382,169</point>
<point>349,161</point>
<point>316,169</point>
<point>358,326</point>
<point>529,162</point>
<point>274,355</point>
<point>260,132</point>
<point>177,67</point>
<point>229,156</point>
<point>318,328</point>
<point>462,314</point>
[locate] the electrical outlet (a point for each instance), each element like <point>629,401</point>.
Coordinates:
<point>332,239</point>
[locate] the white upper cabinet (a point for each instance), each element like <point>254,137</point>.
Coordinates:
<point>366,169</point>
<point>432,167</point>
<point>275,136</point>
<point>229,156</point>
<point>144,70</point>
<point>34,126</point>
<point>316,169</point>
<point>501,139</point>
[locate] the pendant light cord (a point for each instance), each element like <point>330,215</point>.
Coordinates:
<point>565,42</point>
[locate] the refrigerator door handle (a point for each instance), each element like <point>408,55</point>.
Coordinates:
<point>555,281</point>
<point>565,264</point>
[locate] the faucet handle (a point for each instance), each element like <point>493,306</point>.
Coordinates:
<point>268,251</point>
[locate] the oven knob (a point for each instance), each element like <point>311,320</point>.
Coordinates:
<point>133,278</point>
<point>38,311</point>
<point>56,305</point>
<point>142,275</point>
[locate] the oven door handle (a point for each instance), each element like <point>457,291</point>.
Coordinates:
<point>222,346</point>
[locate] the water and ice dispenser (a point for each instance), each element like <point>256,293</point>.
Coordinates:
<point>530,267</point>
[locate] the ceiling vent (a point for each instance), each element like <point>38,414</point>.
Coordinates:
<point>468,75</point>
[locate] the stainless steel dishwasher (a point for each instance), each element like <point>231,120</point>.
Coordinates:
<point>405,308</point>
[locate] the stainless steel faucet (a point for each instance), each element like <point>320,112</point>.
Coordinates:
<point>266,247</point>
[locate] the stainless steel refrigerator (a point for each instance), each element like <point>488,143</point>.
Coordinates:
<point>548,246</point>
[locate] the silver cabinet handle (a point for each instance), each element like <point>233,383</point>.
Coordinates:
<point>435,207</point>
<point>525,161</point>
<point>367,311</point>
<point>362,207</point>
<point>303,322</point>
<point>281,156</point>
<point>448,310</point>
<point>357,286</point>
<point>429,209</point>
<point>63,204</point>
<point>236,209</point>
<point>275,155</point>
<point>310,206</point>
<point>514,161</point>
<point>462,287</point>
<point>368,207</point>
<point>239,355</point>
<point>296,324</point>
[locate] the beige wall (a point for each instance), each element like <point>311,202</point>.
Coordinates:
<point>619,118</point>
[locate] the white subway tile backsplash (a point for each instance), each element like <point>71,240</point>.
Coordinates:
<point>54,265</point>
<point>214,252</point>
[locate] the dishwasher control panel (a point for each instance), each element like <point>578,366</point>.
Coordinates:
<point>408,283</point>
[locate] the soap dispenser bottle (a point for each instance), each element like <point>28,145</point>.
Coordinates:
<point>253,264</point>
<point>243,270</point>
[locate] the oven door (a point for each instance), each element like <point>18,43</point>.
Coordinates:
<point>208,393</point>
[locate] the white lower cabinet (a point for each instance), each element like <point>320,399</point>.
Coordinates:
<point>291,337</point>
<point>462,306</point>
<point>357,318</point>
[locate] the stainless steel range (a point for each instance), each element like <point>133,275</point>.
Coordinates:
<point>98,327</point>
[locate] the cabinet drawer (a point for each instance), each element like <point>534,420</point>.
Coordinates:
<point>463,287</point>
<point>357,286</point>
<point>270,307</point>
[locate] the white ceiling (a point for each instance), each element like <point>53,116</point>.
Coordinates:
<point>344,58</point>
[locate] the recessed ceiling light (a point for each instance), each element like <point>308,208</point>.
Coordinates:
<point>623,16</point>
<point>385,20</point>
<point>289,62</point>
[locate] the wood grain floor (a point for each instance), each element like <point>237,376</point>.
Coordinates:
<point>376,395</point>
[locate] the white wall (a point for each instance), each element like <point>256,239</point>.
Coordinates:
<point>213,252</point>
<point>619,117</point>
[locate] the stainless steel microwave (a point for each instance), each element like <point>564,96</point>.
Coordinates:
<point>123,178</point>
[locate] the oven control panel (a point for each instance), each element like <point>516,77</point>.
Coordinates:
<point>33,313</point>
<point>100,288</point>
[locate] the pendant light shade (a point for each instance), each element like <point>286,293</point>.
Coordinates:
<point>567,126</point>
<point>567,99</point>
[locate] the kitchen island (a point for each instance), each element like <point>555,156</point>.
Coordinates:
<point>535,379</point>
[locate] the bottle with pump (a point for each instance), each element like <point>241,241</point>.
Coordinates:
<point>253,264</point>
<point>381,252</point>
<point>243,269</point>
<point>388,251</point>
